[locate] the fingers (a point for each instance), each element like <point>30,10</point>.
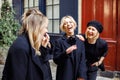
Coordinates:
<point>45,40</point>
<point>80,37</point>
<point>71,48</point>
<point>46,37</point>
<point>95,64</point>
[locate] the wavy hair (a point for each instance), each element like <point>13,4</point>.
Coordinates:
<point>33,21</point>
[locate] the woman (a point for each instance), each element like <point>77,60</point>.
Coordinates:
<point>29,54</point>
<point>95,49</point>
<point>69,53</point>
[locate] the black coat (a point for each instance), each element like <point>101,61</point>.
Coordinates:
<point>94,52</point>
<point>23,64</point>
<point>69,66</point>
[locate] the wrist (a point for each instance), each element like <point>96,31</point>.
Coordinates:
<point>99,63</point>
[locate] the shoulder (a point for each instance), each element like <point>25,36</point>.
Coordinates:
<point>20,44</point>
<point>101,42</point>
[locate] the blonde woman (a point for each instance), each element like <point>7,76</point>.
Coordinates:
<point>69,54</point>
<point>29,54</point>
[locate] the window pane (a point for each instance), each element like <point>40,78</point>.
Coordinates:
<point>10,2</point>
<point>25,3</point>
<point>25,9</point>
<point>36,3</point>
<point>56,26</point>
<point>56,1</point>
<point>50,26</point>
<point>31,3</point>
<point>48,2</point>
<point>49,12</point>
<point>56,11</point>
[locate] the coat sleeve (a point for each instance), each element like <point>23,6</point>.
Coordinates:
<point>105,49</point>
<point>47,53</point>
<point>16,65</point>
<point>59,53</point>
<point>82,65</point>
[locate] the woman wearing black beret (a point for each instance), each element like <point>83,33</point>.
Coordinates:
<point>95,49</point>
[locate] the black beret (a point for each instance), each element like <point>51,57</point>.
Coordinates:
<point>96,24</point>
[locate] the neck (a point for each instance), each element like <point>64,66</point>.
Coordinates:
<point>71,34</point>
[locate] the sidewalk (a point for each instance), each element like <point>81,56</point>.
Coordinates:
<point>99,77</point>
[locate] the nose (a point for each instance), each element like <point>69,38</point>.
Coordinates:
<point>90,31</point>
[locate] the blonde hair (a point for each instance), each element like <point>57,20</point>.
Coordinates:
<point>63,21</point>
<point>32,23</point>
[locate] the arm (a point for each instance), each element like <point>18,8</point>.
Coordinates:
<point>100,62</point>
<point>59,53</point>
<point>104,49</point>
<point>46,53</point>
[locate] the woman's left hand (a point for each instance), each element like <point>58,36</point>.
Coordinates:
<point>95,64</point>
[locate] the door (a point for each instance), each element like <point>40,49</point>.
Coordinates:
<point>118,37</point>
<point>105,11</point>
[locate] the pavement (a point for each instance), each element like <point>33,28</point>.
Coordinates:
<point>99,77</point>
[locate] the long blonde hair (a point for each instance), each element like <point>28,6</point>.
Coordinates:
<point>32,23</point>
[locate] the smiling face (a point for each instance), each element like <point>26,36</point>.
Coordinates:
<point>69,26</point>
<point>91,32</point>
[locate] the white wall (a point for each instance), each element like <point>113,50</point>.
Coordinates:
<point>79,15</point>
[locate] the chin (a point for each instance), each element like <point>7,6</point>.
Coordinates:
<point>90,37</point>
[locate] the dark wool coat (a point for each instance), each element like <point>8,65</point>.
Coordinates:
<point>69,66</point>
<point>23,64</point>
<point>94,52</point>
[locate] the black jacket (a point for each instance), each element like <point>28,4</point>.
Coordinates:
<point>69,66</point>
<point>23,64</point>
<point>93,55</point>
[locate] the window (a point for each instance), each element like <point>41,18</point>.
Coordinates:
<point>31,4</point>
<point>52,12</point>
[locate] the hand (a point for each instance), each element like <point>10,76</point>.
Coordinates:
<point>45,40</point>
<point>95,64</point>
<point>80,37</point>
<point>71,48</point>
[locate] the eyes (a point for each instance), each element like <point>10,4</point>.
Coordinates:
<point>91,28</point>
<point>67,23</point>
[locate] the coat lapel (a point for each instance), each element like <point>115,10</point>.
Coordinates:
<point>36,59</point>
